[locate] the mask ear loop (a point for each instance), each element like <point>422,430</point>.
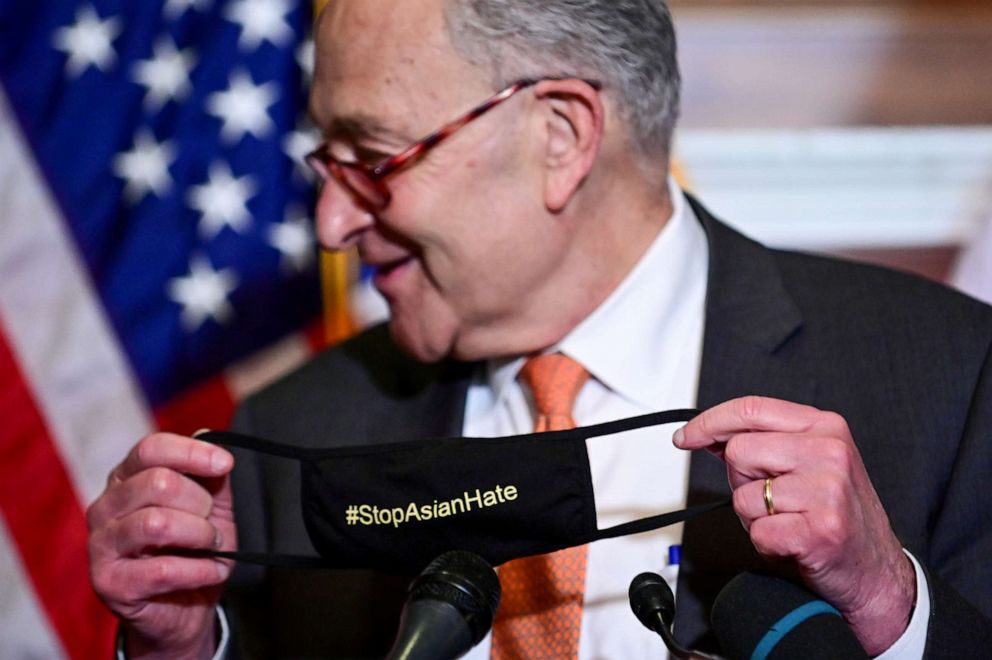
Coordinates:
<point>662,520</point>
<point>251,443</point>
<point>656,522</point>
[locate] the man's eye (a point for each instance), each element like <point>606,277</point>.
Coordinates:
<point>341,152</point>
<point>369,156</point>
<point>352,153</point>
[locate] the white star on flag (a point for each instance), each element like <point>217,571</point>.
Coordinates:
<point>294,239</point>
<point>222,201</point>
<point>261,20</point>
<point>297,144</point>
<point>176,8</point>
<point>145,167</point>
<point>89,41</point>
<point>166,75</point>
<point>244,107</point>
<point>203,294</point>
<point>305,55</point>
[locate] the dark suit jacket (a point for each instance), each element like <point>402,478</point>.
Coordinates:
<point>905,361</point>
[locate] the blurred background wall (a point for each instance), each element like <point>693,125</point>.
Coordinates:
<point>861,128</point>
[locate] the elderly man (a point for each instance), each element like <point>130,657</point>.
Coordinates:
<point>543,223</point>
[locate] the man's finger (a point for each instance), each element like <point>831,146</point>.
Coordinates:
<point>750,413</point>
<point>136,581</point>
<point>768,454</point>
<point>176,452</point>
<point>789,494</point>
<point>782,536</point>
<point>156,486</point>
<point>153,528</point>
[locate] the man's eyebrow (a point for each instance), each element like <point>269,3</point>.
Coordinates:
<point>366,126</point>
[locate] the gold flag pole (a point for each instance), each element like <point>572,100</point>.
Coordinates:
<point>337,272</point>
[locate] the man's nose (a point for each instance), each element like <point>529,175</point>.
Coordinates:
<point>341,219</point>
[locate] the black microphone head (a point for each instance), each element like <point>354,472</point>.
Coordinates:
<point>650,596</point>
<point>466,581</point>
<point>782,618</point>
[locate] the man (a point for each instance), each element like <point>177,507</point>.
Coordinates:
<point>543,222</point>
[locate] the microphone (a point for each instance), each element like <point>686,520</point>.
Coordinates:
<point>449,608</point>
<point>767,618</point>
<point>653,604</point>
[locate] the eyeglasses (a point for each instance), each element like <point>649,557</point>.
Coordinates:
<point>367,182</point>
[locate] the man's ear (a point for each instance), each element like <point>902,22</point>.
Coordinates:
<point>575,125</point>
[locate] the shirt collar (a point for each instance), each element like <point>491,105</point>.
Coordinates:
<point>625,339</point>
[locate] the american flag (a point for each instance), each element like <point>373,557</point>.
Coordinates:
<point>156,258</point>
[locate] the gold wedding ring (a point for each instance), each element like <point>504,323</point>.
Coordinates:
<point>769,502</point>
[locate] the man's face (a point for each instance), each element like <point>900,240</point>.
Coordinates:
<point>466,239</point>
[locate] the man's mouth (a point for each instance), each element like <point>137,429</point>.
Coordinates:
<point>387,273</point>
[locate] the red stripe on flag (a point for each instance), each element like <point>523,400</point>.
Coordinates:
<point>208,405</point>
<point>46,521</point>
<point>317,336</point>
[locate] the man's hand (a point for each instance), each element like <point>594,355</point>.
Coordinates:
<point>170,492</point>
<point>828,518</point>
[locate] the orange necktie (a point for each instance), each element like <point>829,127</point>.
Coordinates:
<point>540,614</point>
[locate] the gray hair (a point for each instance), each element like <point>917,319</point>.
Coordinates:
<point>628,45</point>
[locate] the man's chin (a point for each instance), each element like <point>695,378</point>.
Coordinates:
<point>423,346</point>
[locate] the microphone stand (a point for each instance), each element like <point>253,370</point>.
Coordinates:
<point>653,603</point>
<point>677,650</point>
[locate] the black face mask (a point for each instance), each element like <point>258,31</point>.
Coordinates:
<point>395,507</point>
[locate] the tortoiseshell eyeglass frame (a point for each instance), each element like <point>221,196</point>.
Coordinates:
<point>366,182</point>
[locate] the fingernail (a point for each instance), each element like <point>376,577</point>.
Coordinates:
<point>678,437</point>
<point>223,570</point>
<point>218,540</point>
<point>199,432</point>
<point>219,462</point>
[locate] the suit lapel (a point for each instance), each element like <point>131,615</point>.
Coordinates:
<point>415,400</point>
<point>437,411</point>
<point>752,323</point>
